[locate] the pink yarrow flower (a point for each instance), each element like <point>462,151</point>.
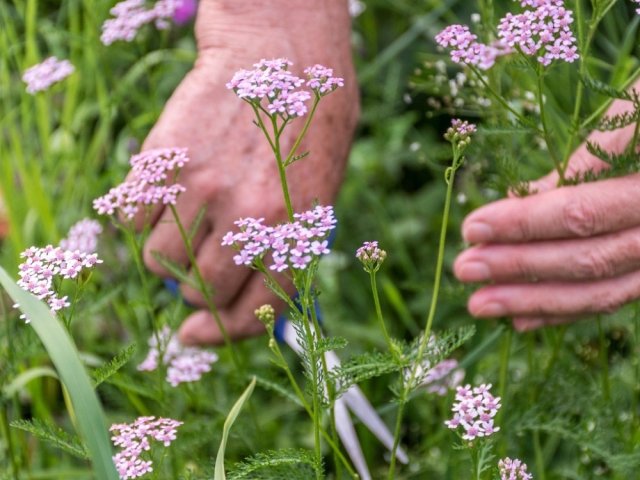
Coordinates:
<point>543,30</point>
<point>134,440</point>
<point>474,410</point>
<point>371,256</point>
<point>42,265</point>
<point>82,236</point>
<point>41,76</point>
<point>184,364</point>
<point>513,469</point>
<point>291,245</point>
<point>148,184</point>
<point>131,15</point>
<point>441,378</point>
<point>271,86</point>
<point>465,47</point>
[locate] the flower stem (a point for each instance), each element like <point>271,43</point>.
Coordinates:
<point>376,301</point>
<point>604,361</point>
<point>205,290</point>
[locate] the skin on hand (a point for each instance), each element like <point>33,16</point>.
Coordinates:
<point>560,253</point>
<point>232,172</point>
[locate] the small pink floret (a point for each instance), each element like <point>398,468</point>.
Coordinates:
<point>41,76</point>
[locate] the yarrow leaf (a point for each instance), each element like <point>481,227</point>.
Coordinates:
<point>363,367</point>
<point>104,372</point>
<point>277,464</point>
<point>54,435</point>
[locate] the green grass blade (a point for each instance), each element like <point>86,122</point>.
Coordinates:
<point>90,420</point>
<point>233,414</point>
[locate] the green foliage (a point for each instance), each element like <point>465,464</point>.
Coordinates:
<point>289,464</point>
<point>110,368</point>
<point>364,367</point>
<point>54,435</point>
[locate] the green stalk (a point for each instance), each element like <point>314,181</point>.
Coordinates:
<point>205,290</point>
<point>6,433</point>
<point>449,178</point>
<point>604,360</point>
<point>376,301</point>
<point>543,119</point>
<point>296,144</point>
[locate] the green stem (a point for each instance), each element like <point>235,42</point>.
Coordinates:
<point>205,290</point>
<point>500,98</point>
<point>396,436</point>
<point>376,301</point>
<point>539,456</point>
<point>6,433</point>
<point>504,369</point>
<point>543,119</point>
<point>296,144</point>
<point>604,360</point>
<point>449,177</point>
<point>282,172</point>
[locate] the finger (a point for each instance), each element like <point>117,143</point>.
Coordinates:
<point>239,319</point>
<point>527,324</point>
<point>166,239</point>
<point>592,258</point>
<point>216,265</point>
<point>577,211</point>
<point>555,299</point>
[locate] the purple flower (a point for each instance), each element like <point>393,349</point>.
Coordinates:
<point>291,245</point>
<point>474,410</point>
<point>185,11</point>
<point>271,86</point>
<point>134,440</point>
<point>542,30</point>
<point>41,76</point>
<point>148,183</point>
<point>82,236</point>
<point>466,49</point>
<point>513,470</point>
<point>184,364</point>
<point>41,265</point>
<point>131,15</point>
<point>638,2</point>
<point>371,256</point>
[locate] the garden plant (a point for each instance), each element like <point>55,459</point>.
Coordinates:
<point>369,363</point>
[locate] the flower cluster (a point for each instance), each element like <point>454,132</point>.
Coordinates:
<point>371,256</point>
<point>131,15</point>
<point>147,184</point>
<point>82,236</point>
<point>465,47</point>
<point>321,79</point>
<point>543,31</point>
<point>638,9</point>
<point>474,410</point>
<point>460,132</point>
<point>184,364</point>
<point>41,76</point>
<point>281,90</point>
<point>513,470</point>
<point>134,439</point>
<point>292,245</point>
<point>41,265</point>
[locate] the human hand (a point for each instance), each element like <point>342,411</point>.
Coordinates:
<point>232,172</point>
<point>559,253</point>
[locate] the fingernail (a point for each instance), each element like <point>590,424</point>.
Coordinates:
<point>473,272</point>
<point>492,309</point>
<point>477,232</point>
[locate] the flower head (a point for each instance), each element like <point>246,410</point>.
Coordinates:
<point>184,364</point>
<point>41,76</point>
<point>148,183</point>
<point>371,256</point>
<point>82,236</point>
<point>474,410</point>
<point>41,265</point>
<point>459,133</point>
<point>439,379</point>
<point>134,440</point>
<point>466,49</point>
<point>131,15</point>
<point>291,245</point>
<point>513,470</point>
<point>280,92</point>
<point>543,30</point>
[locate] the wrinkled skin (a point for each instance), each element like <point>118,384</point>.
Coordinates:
<point>561,253</point>
<point>232,171</point>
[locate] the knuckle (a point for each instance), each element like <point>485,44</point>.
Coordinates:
<point>594,264</point>
<point>580,218</point>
